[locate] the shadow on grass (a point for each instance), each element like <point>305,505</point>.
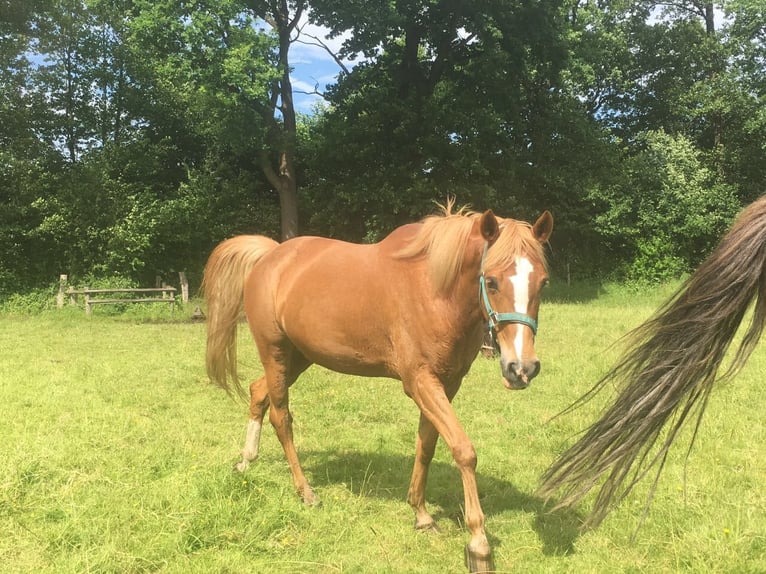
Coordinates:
<point>387,475</point>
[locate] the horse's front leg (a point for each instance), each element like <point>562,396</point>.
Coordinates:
<point>430,396</point>
<point>424,452</point>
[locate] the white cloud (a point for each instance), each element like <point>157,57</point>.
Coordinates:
<point>302,86</point>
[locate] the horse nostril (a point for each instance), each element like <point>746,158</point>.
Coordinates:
<point>519,373</point>
<point>526,369</point>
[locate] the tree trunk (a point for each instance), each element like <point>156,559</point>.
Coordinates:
<point>288,207</point>
<point>710,19</point>
<point>283,134</point>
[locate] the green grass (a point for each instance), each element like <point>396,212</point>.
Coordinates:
<point>116,456</point>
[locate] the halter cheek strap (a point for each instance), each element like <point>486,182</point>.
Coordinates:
<point>495,318</point>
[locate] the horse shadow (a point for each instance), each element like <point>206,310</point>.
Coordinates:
<point>386,475</point>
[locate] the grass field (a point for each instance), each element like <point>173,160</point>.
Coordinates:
<point>116,456</point>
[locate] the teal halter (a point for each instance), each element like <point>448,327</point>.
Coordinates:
<point>495,318</point>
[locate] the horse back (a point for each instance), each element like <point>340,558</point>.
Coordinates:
<point>357,309</point>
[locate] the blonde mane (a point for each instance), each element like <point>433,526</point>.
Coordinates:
<point>443,237</point>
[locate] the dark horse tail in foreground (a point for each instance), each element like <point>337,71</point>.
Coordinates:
<point>669,372</point>
<point>414,307</point>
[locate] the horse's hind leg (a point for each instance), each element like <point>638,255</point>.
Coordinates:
<point>259,403</point>
<point>424,452</point>
<point>279,380</point>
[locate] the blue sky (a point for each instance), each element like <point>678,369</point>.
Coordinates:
<point>312,67</point>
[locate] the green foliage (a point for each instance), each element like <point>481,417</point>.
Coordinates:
<point>668,211</point>
<point>29,303</point>
<point>135,135</point>
<point>656,260</point>
<point>468,102</point>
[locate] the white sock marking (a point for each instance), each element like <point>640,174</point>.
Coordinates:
<point>252,444</point>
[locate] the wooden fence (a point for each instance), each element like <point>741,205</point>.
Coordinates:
<point>164,294</point>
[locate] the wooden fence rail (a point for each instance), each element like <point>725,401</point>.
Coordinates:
<point>102,296</point>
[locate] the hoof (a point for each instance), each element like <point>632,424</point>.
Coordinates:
<point>476,563</point>
<point>429,526</point>
<point>241,466</point>
<point>311,499</point>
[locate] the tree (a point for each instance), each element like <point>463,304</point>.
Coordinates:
<point>472,100</point>
<point>283,17</point>
<point>649,68</point>
<point>669,210</point>
<point>224,64</point>
<point>136,134</point>
<point>742,97</point>
<point>440,105</point>
<point>65,40</point>
<point>22,155</point>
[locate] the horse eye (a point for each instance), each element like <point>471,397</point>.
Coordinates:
<point>491,283</point>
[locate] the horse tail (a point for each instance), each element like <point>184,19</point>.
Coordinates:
<point>668,372</point>
<point>223,286</point>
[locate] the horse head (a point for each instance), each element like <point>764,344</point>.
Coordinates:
<point>513,273</point>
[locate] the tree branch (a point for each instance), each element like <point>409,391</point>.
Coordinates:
<point>292,25</point>
<point>320,44</point>
<point>314,92</point>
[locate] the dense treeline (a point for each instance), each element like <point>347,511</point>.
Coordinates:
<point>136,134</point>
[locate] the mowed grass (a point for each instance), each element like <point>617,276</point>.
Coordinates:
<point>116,456</point>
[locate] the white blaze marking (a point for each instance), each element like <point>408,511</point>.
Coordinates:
<point>520,282</point>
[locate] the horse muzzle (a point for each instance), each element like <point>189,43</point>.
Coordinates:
<point>518,374</point>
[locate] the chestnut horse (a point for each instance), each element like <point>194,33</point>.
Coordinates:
<point>415,307</point>
<point>668,372</point>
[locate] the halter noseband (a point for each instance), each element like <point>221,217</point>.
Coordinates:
<point>495,318</point>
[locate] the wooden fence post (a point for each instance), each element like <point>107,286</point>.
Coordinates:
<point>88,307</point>
<point>184,286</point>
<point>62,288</point>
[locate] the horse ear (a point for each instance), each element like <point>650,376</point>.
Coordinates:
<point>490,228</point>
<point>543,227</point>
